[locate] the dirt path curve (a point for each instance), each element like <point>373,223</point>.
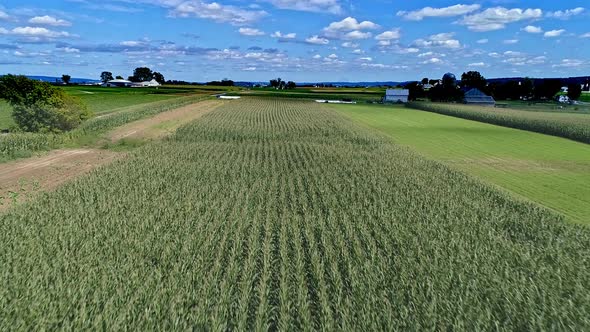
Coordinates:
<point>163,124</point>
<point>20,180</point>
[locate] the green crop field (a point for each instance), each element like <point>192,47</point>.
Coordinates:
<point>549,170</point>
<point>568,125</point>
<point>285,215</point>
<point>101,99</point>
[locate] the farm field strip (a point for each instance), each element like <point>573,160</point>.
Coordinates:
<point>274,214</point>
<point>21,180</point>
<point>15,145</point>
<point>567,125</point>
<point>549,170</point>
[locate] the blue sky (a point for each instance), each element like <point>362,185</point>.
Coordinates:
<point>300,40</point>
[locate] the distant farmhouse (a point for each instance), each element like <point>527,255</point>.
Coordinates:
<point>396,95</point>
<point>476,97</point>
<point>119,83</point>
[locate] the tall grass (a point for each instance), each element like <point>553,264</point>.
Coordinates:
<point>274,214</point>
<point>572,126</point>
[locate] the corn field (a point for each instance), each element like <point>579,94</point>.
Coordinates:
<point>283,215</point>
<point>13,144</point>
<point>573,126</point>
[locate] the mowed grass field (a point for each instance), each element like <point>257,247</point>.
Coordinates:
<point>552,171</point>
<point>285,215</point>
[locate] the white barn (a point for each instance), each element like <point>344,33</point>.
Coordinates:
<point>397,95</point>
<point>147,84</point>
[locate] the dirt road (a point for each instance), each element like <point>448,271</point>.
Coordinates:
<point>164,123</point>
<point>22,179</point>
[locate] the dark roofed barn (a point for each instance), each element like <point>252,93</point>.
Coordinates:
<point>476,97</point>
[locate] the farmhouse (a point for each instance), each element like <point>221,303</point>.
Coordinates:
<point>476,97</point>
<point>396,95</point>
<point>119,83</point>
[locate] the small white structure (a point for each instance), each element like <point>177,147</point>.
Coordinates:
<point>563,99</point>
<point>477,97</point>
<point>117,83</point>
<point>228,97</point>
<point>147,84</point>
<point>397,95</point>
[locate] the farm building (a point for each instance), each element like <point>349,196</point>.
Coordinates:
<point>476,97</point>
<point>396,95</point>
<point>147,84</point>
<point>119,83</point>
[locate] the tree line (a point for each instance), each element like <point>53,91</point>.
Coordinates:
<point>448,89</point>
<point>140,74</point>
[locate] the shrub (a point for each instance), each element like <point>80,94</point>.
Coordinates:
<point>40,107</point>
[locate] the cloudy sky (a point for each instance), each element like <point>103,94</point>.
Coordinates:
<point>301,40</point>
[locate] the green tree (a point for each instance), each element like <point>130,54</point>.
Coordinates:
<point>159,77</point>
<point>119,77</point>
<point>548,89</point>
<point>291,85</point>
<point>574,91</point>
<point>106,76</point>
<point>66,79</point>
<point>425,81</point>
<point>416,90</point>
<point>473,79</point>
<point>40,107</point>
<point>142,74</point>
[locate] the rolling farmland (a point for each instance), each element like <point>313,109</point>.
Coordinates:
<point>552,171</point>
<point>282,214</point>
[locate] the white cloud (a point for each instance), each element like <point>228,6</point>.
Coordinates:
<point>586,35</point>
<point>49,20</point>
<point>498,17</point>
<point>477,64</point>
<point>318,6</point>
<point>4,16</point>
<point>69,50</point>
<point>439,40</point>
<point>432,61</point>
<point>317,40</point>
<point>389,35</point>
<point>368,58</point>
<point>554,33</point>
<point>355,35</point>
<point>250,32</point>
<point>349,24</point>
<point>570,63</point>
<point>532,29</point>
<point>213,11</point>
<point>451,11</point>
<point>332,56</point>
<point>422,55</point>
<point>350,29</point>
<point>249,69</point>
<point>279,35</point>
<point>34,32</point>
<point>350,45</point>
<point>566,14</point>
<point>483,41</point>
<point>133,43</point>
<point>358,51</point>
<point>510,41</point>
<point>317,56</point>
